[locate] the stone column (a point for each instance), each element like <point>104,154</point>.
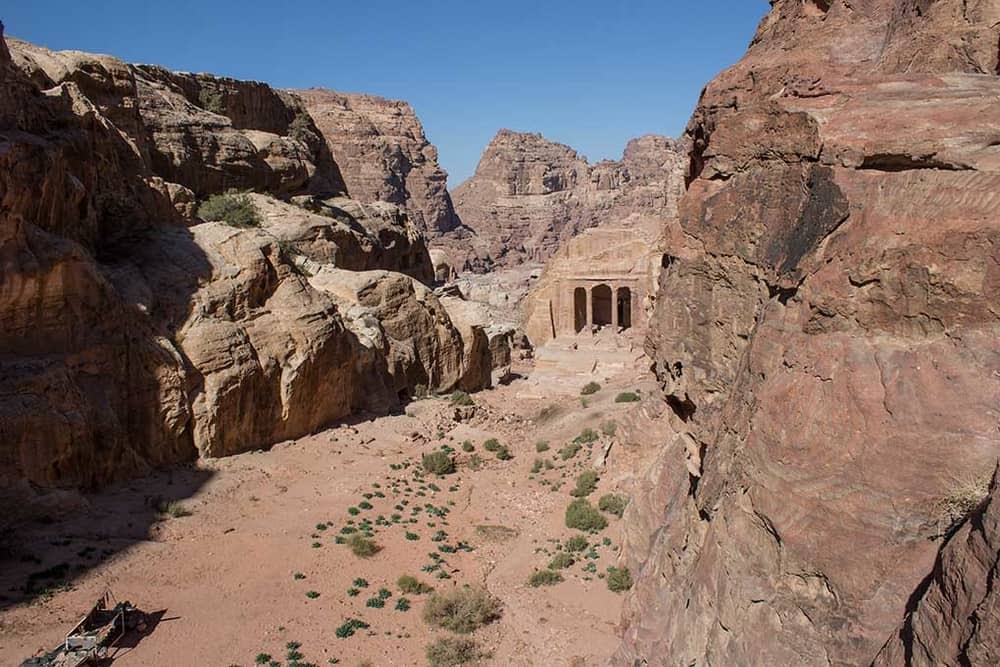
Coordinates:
<point>590,309</point>
<point>614,309</point>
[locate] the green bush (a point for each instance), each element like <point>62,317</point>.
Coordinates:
<point>467,446</point>
<point>590,388</point>
<point>503,453</point>
<point>234,209</point>
<point>581,515</point>
<point>586,436</point>
<point>492,445</point>
<point>561,561</point>
<point>544,578</point>
<point>613,504</point>
<point>586,484</point>
<point>542,446</point>
<point>453,652</point>
<point>438,463</point>
<point>461,610</point>
<point>173,509</point>
<point>412,585</point>
<point>349,627</point>
<point>619,579</point>
<point>569,451</point>
<point>362,547</point>
<point>609,428</point>
<point>627,397</point>
<point>576,543</point>
<point>461,398</point>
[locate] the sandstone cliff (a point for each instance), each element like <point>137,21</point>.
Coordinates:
<point>133,334</point>
<point>530,195</point>
<point>381,147</point>
<point>826,332</point>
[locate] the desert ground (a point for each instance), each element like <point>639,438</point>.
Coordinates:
<point>252,563</point>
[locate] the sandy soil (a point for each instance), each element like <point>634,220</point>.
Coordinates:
<point>230,580</point>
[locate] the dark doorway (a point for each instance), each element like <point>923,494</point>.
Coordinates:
<point>624,308</point>
<point>579,309</point>
<point>602,305</point>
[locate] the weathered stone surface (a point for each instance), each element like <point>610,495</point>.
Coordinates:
<point>530,195</point>
<point>381,148</point>
<point>134,335</point>
<point>826,332</point>
<point>956,618</point>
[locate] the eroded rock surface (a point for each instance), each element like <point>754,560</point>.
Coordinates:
<point>530,195</point>
<point>381,147</point>
<point>826,331</point>
<point>133,334</point>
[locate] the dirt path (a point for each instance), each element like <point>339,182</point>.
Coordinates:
<point>256,564</point>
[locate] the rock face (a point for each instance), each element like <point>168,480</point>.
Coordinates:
<point>956,619</point>
<point>529,195</point>
<point>381,147</point>
<point>133,334</point>
<point>826,331</point>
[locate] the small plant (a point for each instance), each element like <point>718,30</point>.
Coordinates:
<point>609,428</point>
<point>492,445</point>
<point>412,585</point>
<point>586,484</point>
<point>569,451</point>
<point>173,509</point>
<point>461,610</point>
<point>312,595</point>
<point>402,604</point>
<point>438,463</point>
<point>619,579</point>
<point>362,547</point>
<point>461,398</point>
<point>467,446</point>
<point>212,100</point>
<point>353,511</point>
<point>537,466</point>
<point>262,659</point>
<point>613,504</point>
<point>453,652</point>
<point>542,446</point>
<point>365,505</point>
<point>627,397</point>
<point>576,543</point>
<point>544,578</point>
<point>581,515</point>
<point>232,208</point>
<point>964,497</point>
<point>587,436</point>
<point>475,462</point>
<point>590,388</point>
<point>375,603</point>
<point>561,561</point>
<point>353,592</point>
<point>349,627</point>
<point>504,454</point>
<point>384,593</point>
<point>361,583</point>
<point>412,537</point>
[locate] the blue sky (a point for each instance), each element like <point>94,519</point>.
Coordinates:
<point>585,73</point>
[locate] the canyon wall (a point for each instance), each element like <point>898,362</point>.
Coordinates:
<point>527,196</point>
<point>827,332</point>
<point>381,147</point>
<point>134,334</point>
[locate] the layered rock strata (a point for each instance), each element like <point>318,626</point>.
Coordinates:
<point>826,331</point>
<point>385,156</point>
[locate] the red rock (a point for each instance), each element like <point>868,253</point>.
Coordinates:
<point>826,333</point>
